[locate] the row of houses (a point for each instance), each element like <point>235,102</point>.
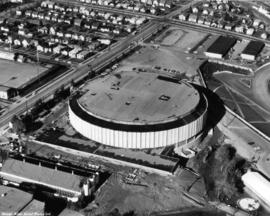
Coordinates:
<point>240,28</point>
<point>226,15</point>
<point>133,5</point>
<point>55,46</point>
<point>59,10</point>
<point>105,22</point>
<point>109,18</point>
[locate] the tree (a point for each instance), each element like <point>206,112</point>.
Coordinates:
<point>18,125</point>
<point>114,212</point>
<point>221,168</point>
<point>130,213</point>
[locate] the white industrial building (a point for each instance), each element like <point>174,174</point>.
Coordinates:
<point>259,185</point>
<point>6,92</point>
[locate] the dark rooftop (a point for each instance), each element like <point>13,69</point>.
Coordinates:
<point>253,48</point>
<point>222,45</point>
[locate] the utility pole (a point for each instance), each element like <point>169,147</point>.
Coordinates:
<point>37,57</point>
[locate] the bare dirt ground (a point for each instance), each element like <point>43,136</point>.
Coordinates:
<point>164,57</point>
<point>161,194</point>
<point>183,39</point>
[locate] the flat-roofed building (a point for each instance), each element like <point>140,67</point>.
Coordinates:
<point>252,50</point>
<point>220,47</point>
<point>17,202</point>
<point>64,184</point>
<point>6,92</point>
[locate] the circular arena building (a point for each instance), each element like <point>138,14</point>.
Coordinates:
<point>139,110</point>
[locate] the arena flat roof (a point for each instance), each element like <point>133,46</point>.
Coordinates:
<point>13,200</point>
<point>139,98</point>
<point>16,75</point>
<point>253,48</point>
<point>222,45</point>
<point>43,175</point>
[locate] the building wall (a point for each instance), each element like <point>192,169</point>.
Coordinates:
<point>213,55</point>
<point>258,185</point>
<point>139,140</point>
<point>4,94</point>
<point>248,57</point>
<point>14,178</point>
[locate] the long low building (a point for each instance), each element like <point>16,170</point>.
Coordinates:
<point>63,183</point>
<point>259,185</point>
<point>139,110</point>
<point>252,50</point>
<point>220,47</point>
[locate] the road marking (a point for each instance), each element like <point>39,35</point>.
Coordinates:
<point>237,105</point>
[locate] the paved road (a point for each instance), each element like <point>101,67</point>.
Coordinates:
<point>242,134</point>
<point>261,85</point>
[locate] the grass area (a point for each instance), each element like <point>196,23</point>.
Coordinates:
<point>190,39</point>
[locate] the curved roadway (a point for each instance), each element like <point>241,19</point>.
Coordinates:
<point>260,85</point>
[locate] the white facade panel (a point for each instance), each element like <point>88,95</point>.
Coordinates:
<point>129,143</point>
<point>116,139</point>
<point>156,139</point>
<point>124,139</point>
<point>152,139</point>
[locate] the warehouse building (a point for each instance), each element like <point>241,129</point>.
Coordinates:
<point>252,50</point>
<point>259,185</point>
<point>220,47</point>
<point>64,184</point>
<point>139,110</point>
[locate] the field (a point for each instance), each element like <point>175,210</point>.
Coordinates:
<point>171,37</point>
<point>183,39</point>
<point>16,75</point>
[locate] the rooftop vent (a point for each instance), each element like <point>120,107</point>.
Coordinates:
<point>164,97</point>
<point>115,87</point>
